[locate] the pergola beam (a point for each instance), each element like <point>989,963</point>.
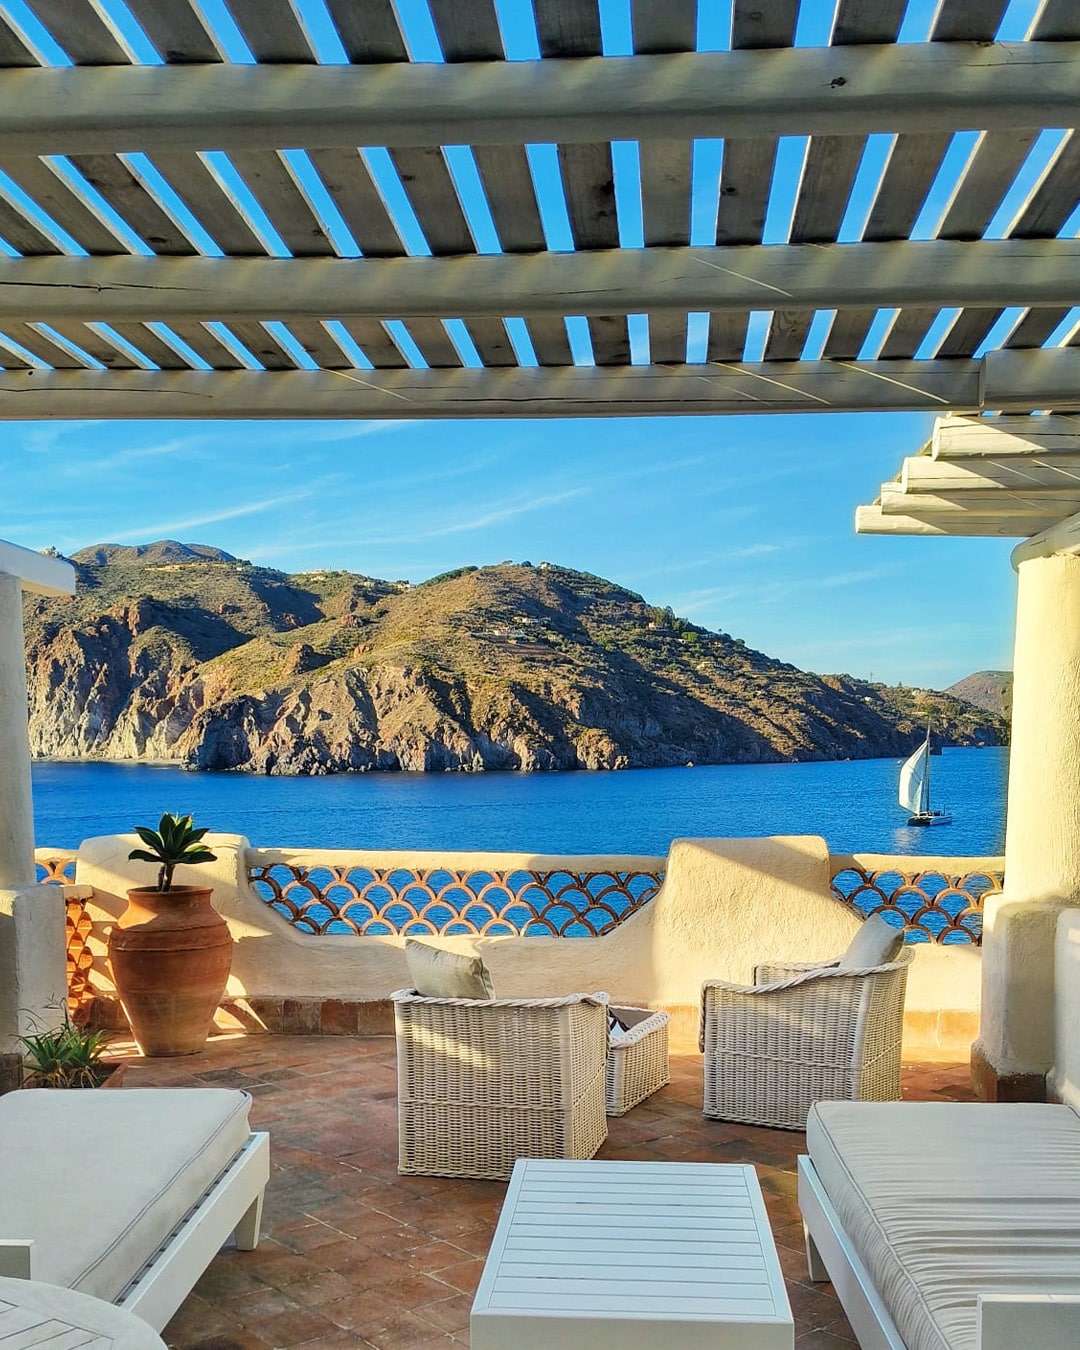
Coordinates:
<point>1004,438</point>
<point>872,520</point>
<point>574,391</point>
<point>933,273</point>
<point>845,90</point>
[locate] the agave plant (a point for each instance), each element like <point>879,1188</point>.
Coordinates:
<point>65,1056</point>
<point>175,841</point>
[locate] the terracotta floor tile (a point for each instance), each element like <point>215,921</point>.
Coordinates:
<point>356,1257</point>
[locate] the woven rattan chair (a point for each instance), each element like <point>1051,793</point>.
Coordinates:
<point>482,1083</point>
<point>801,1034</point>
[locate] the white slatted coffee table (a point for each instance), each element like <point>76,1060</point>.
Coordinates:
<point>645,1256</point>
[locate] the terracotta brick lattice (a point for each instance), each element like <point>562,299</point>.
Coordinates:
<point>444,901</point>
<point>930,906</point>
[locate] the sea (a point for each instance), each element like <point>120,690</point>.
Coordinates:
<point>852,803</point>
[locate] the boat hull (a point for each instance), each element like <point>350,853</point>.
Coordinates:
<point>926,818</point>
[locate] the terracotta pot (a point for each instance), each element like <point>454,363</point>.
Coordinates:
<point>170,953</point>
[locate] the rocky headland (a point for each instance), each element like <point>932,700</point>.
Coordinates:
<point>183,653</point>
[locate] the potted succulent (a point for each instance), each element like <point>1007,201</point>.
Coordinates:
<point>67,1056</point>
<point>170,951</point>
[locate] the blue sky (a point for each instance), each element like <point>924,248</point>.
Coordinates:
<point>742,524</point>
<point>738,523</point>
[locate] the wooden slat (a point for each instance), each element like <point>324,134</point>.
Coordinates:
<point>16,50</point>
<point>206,344</point>
<point>41,347</point>
<point>968,20</point>
<point>508,185</point>
<point>131,201</point>
<point>571,28</point>
<point>549,339</point>
<point>271,183</point>
<point>272,30</point>
<point>178,31</point>
<point>1056,21</point>
<point>154,348</point>
<point>22,233</point>
<point>369,31</point>
<point>666,166</point>
<point>213,206</point>
<point>376,344</point>
<point>262,344</point>
<point>467,32</point>
<point>434,343</point>
<point>320,345</point>
<point>11,360</point>
<point>859,21</point>
<point>829,170</point>
<point>727,336</point>
<point>83,30</point>
<point>492,342</point>
<point>907,332</point>
<point>348,180</point>
<point>39,180</point>
<point>96,345</point>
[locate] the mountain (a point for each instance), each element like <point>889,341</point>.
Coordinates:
<point>990,690</point>
<point>180,652</point>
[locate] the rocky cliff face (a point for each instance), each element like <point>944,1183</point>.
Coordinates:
<point>181,652</point>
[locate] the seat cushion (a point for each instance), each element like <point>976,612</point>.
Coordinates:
<point>437,973</point>
<point>100,1179</point>
<point>944,1201</point>
<point>875,944</point>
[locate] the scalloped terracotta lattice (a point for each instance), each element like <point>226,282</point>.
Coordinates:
<point>442,901</point>
<point>931,906</point>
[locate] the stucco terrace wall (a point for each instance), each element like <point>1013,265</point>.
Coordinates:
<point>725,904</point>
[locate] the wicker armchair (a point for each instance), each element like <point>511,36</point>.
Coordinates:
<point>801,1034</point>
<point>482,1083</point>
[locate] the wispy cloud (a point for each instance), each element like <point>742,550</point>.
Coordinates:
<point>121,459</point>
<point>163,529</point>
<point>497,515</point>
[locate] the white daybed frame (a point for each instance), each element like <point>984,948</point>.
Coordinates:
<point>1005,1321</point>
<point>233,1204</point>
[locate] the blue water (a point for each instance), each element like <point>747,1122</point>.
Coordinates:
<point>853,804</point>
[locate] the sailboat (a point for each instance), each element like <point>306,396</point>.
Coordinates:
<point>915,787</point>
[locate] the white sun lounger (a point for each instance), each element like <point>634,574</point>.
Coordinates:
<point>127,1195</point>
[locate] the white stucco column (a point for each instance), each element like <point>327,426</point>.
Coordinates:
<point>16,809</point>
<point>32,962</point>
<point>1015,1048</point>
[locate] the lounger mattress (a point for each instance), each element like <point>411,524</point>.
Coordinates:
<point>100,1179</point>
<point>944,1201</point>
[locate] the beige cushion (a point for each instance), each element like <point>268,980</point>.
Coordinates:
<point>944,1201</point>
<point>875,944</point>
<point>436,973</point>
<point>100,1179</point>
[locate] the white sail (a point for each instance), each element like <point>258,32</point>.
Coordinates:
<point>913,776</point>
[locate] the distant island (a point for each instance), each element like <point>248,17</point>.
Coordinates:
<point>988,689</point>
<point>182,653</point>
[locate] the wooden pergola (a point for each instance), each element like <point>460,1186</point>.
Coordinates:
<point>318,209</point>
<point>288,235</point>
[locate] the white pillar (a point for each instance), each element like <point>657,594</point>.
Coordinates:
<point>16,808</point>
<point>1015,1048</point>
